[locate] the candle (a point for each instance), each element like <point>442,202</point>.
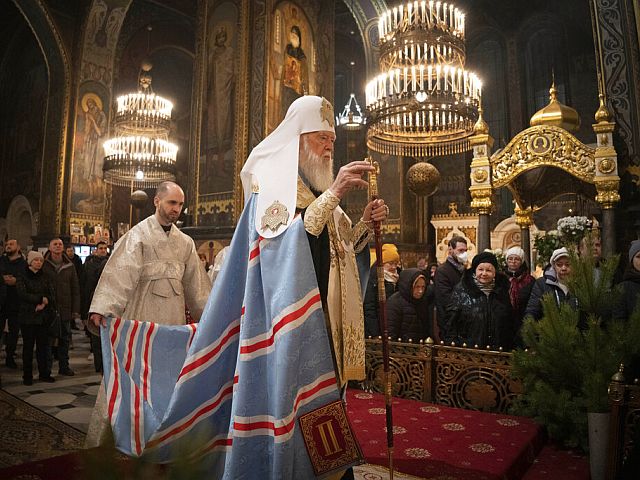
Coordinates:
<point>421,76</point>
<point>446,74</point>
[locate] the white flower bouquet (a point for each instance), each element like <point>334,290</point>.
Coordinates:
<point>573,229</point>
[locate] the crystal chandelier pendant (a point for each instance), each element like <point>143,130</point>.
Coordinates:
<point>424,102</point>
<point>140,154</point>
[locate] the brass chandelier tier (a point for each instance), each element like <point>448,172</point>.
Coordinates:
<point>424,103</point>
<point>140,154</point>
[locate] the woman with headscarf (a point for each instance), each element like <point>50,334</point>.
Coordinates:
<point>520,283</point>
<point>408,310</point>
<point>630,286</point>
<point>479,309</point>
<point>36,294</point>
<point>553,282</point>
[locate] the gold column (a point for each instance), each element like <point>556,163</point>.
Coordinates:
<point>606,180</point>
<point>524,219</point>
<point>481,189</point>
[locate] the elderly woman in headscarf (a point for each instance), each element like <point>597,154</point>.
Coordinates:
<point>408,310</point>
<point>479,309</point>
<point>553,282</point>
<point>36,293</point>
<point>630,286</point>
<point>520,283</point>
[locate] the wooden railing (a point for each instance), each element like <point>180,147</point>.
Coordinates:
<point>470,378</point>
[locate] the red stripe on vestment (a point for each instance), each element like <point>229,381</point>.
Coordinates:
<point>136,419</point>
<point>287,427</point>
<point>291,317</point>
<point>202,360</point>
<point>114,366</point>
<point>145,376</point>
<point>223,395</point>
<point>132,338</point>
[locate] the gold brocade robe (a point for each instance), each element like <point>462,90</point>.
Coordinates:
<point>344,298</point>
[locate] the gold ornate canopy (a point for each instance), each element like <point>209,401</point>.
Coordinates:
<point>546,160</point>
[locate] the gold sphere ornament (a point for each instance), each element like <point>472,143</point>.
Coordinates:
<point>423,179</point>
<point>139,198</point>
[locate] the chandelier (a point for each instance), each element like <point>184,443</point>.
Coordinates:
<point>351,117</point>
<point>140,154</point>
<point>424,103</point>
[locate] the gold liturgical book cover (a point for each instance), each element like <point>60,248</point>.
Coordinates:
<point>329,439</point>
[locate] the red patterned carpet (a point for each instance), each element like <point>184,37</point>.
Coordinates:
<point>553,464</point>
<point>433,440</point>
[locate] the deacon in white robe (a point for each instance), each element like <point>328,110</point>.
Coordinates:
<point>153,272</point>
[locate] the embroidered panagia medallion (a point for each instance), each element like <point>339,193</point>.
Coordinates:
<point>326,112</point>
<point>274,216</point>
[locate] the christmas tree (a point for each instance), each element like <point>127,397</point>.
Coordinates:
<point>573,353</point>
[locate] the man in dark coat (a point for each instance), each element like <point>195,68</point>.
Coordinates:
<point>447,277</point>
<point>12,265</point>
<point>62,273</point>
<point>93,266</point>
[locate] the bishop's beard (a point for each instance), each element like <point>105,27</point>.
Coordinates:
<point>316,170</point>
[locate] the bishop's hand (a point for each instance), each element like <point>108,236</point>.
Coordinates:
<point>350,177</point>
<point>376,210</point>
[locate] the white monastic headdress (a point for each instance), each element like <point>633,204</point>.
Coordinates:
<point>272,166</point>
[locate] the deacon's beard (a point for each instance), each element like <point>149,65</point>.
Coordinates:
<point>315,169</point>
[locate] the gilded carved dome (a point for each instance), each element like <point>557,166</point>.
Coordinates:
<point>556,114</point>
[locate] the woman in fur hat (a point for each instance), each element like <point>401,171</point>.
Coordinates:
<point>479,309</point>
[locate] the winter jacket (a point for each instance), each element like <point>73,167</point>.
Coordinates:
<point>65,280</point>
<point>629,297</point>
<point>547,284</point>
<point>93,267</point>
<point>77,263</point>
<point>446,278</point>
<point>478,319</point>
<point>370,304</point>
<point>520,286</point>
<point>31,287</point>
<point>407,317</point>
<point>16,268</point>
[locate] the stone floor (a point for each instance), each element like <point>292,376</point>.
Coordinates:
<point>69,399</point>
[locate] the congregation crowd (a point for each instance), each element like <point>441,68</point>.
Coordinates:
<point>483,305</point>
<point>43,297</point>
